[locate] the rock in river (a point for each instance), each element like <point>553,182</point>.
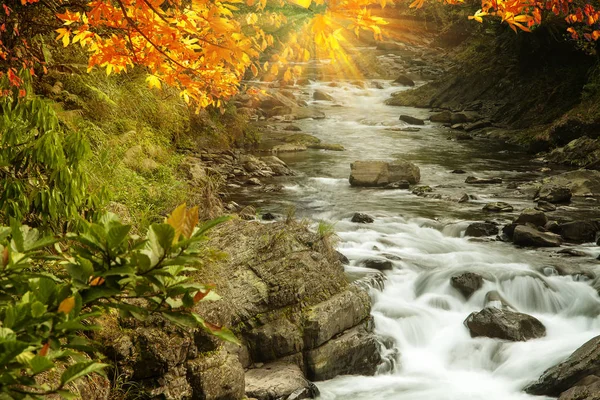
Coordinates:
<point>579,231</point>
<point>554,194</point>
<point>467,283</point>
<point>585,361</point>
<point>532,216</point>
<point>412,120</point>
<point>479,229</point>
<point>504,324</point>
<point>528,236</point>
<point>362,218</point>
<point>278,380</point>
<point>378,264</point>
<point>471,180</point>
<point>381,173</point>
<point>320,95</point>
<point>498,207</point>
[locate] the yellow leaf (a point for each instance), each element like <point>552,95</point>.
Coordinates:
<point>177,220</point>
<point>251,19</point>
<point>66,305</point>
<point>153,82</point>
<point>301,3</point>
<point>254,69</point>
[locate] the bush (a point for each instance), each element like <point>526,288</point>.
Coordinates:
<point>52,288</point>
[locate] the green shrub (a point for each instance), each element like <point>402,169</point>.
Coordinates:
<point>51,289</point>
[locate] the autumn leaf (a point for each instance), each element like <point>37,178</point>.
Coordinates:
<point>66,305</point>
<point>153,82</point>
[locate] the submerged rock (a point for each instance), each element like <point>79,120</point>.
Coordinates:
<point>378,264</point>
<point>471,180</point>
<point>381,173</point>
<point>412,120</point>
<point>467,283</point>
<point>404,80</point>
<point>585,361</point>
<point>321,95</point>
<point>498,207</point>
<point>398,185</point>
<point>545,206</point>
<point>528,236</point>
<point>504,324</point>
<point>362,218</point>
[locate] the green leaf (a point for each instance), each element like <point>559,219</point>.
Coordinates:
<point>160,238</point>
<point>10,350</point>
<point>97,292</point>
<point>182,319</point>
<point>65,394</point>
<point>117,234</point>
<point>4,232</point>
<point>39,364</point>
<point>41,243</point>
<point>202,229</point>
<point>79,370</point>
<point>38,309</point>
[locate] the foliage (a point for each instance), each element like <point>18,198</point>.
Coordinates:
<point>41,166</point>
<point>50,295</point>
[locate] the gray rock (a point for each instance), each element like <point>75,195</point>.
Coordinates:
<point>378,264</point>
<point>458,171</point>
<point>381,173</point>
<point>458,118</point>
<point>528,236</point>
<point>532,216</point>
<point>581,182</point>
<point>586,389</point>
<point>583,362</point>
<point>477,125</point>
<point>421,190</point>
<point>292,128</point>
<point>504,324</point>
<point>545,206</point>
<point>216,376</point>
<point>498,207</point>
<point>321,95</point>
<point>253,182</point>
<point>398,185</point>
<point>278,380</point>
<point>479,229</point>
<point>330,318</point>
<point>274,340</point>
<point>467,283</point>
<point>554,194</point>
<point>404,80</point>
<point>268,217</point>
<point>572,252</point>
<point>471,180</point>
<point>412,120</point>
<point>343,259</point>
<point>579,231</point>
<point>362,218</point>
<point>442,117</point>
<point>356,352</point>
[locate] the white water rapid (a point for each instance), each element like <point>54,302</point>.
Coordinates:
<point>418,310</point>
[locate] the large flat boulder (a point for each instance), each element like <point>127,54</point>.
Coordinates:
<point>581,182</point>
<point>504,324</point>
<point>579,231</point>
<point>381,173</point>
<point>585,361</point>
<point>525,235</point>
<point>329,318</point>
<point>277,381</point>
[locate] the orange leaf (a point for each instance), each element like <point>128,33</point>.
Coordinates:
<point>97,281</point>
<point>66,305</point>
<point>44,350</point>
<point>200,295</point>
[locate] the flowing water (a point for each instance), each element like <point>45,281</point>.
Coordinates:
<point>418,310</point>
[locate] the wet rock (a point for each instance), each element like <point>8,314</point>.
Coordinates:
<point>585,361</point>
<point>498,207</point>
<point>380,173</point>
<point>467,283</point>
<point>554,194</point>
<point>248,213</point>
<point>462,136</point>
<point>292,128</point>
<point>580,182</point>
<point>572,252</point>
<point>458,127</point>
<point>458,118</point>
<point>586,389</point>
<point>458,171</point>
<point>421,190</point>
<point>379,265</point>
<point>289,148</point>
<point>442,117</point>
<point>464,198</point>
<point>528,236</point>
<point>277,165</point>
<point>253,182</point>
<point>268,217</point>
<point>496,300</point>
<point>398,185</point>
<point>480,229</point>
<point>504,324</point>
<point>321,95</point>
<point>471,180</point>
<point>532,216</point>
<point>552,226</point>
<point>377,85</point>
<point>355,352</point>
<point>277,381</point>
<point>332,317</point>
<point>272,188</point>
<point>274,340</point>
<point>362,218</point>
<point>579,231</point>
<point>477,125</point>
<point>412,120</point>
<point>404,81</point>
<point>343,259</point>
<point>545,206</point>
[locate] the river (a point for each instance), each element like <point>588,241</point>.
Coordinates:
<point>418,310</point>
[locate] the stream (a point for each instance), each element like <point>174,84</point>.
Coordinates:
<point>418,310</point>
